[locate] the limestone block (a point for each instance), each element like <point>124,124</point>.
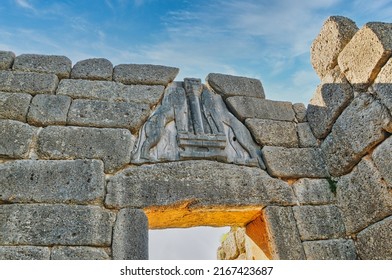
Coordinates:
<point>244,107</point>
<point>334,249</point>
<point>40,224</point>
<point>47,109</point>
<point>300,112</point>
<point>336,32</point>
<point>358,129</point>
<point>130,235</point>
<point>6,60</point>
<point>48,181</point>
<point>327,104</point>
<point>33,83</point>
<point>229,247</point>
<point>273,133</point>
<point>144,74</point>
<point>306,138</point>
<point>383,85</point>
<point>313,191</point>
<point>14,106</point>
<point>370,48</point>
<point>50,64</point>
<point>112,146</point>
<point>382,157</point>
<point>93,69</point>
<point>362,197</point>
<point>15,139</point>
<point>294,162</point>
<point>78,253</point>
<point>98,113</point>
<point>375,242</point>
<point>24,253</point>
<point>228,85</point>
<point>319,222</point>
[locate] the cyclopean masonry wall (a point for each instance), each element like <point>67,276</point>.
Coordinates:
<point>92,156</point>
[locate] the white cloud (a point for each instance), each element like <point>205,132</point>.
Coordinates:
<point>24,4</point>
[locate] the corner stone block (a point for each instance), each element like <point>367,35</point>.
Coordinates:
<point>33,83</point>
<point>144,74</point>
<point>47,109</point>
<point>40,224</point>
<point>382,157</point>
<point>334,249</point>
<point>24,253</point>
<point>130,235</point>
<point>228,85</point>
<point>112,146</point>
<point>6,60</point>
<point>313,191</point>
<point>50,64</point>
<point>15,139</point>
<point>78,253</point>
<point>14,106</point>
<point>93,69</point>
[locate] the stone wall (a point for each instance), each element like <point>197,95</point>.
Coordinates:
<point>92,156</point>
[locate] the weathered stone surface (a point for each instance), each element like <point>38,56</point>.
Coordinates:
<point>244,107</point>
<point>370,48</point>
<point>24,253</point>
<point>362,197</point>
<point>306,138</point>
<point>358,129</point>
<point>112,146</point>
<point>144,74</point>
<point>336,32</point>
<point>15,139</point>
<point>63,181</point>
<point>14,106</point>
<point>78,253</point>
<point>229,248</point>
<point>33,83</point>
<point>335,249</point>
<point>327,104</point>
<point>284,236</point>
<point>47,109</point>
<point>273,133</point>
<point>165,184</point>
<point>313,191</point>
<point>6,60</point>
<point>93,69</point>
<point>98,113</point>
<point>130,235</point>
<point>228,85</point>
<point>300,112</point>
<point>111,91</point>
<point>319,222</point>
<point>294,162</point>
<point>50,64</point>
<point>383,85</point>
<point>375,242</point>
<point>32,224</point>
<point>382,157</point>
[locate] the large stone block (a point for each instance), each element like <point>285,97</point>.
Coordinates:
<point>358,129</point>
<point>6,60</point>
<point>96,113</point>
<point>24,253</point>
<point>42,181</point>
<point>111,91</point>
<point>335,249</point>
<point>15,139</point>
<point>382,157</point>
<point>336,32</point>
<point>300,112</point>
<point>47,109</point>
<point>244,107</point>
<point>130,235</point>
<point>273,133</point>
<point>375,242</point>
<point>370,48</point>
<point>112,146</point>
<point>78,253</point>
<point>93,69</point>
<point>313,191</point>
<point>228,85</point>
<point>362,197</point>
<point>306,138</point>
<point>319,222</point>
<point>33,83</point>
<point>294,162</point>
<point>32,224</point>
<point>50,64</point>
<point>14,106</point>
<point>144,74</point>
<point>383,85</point>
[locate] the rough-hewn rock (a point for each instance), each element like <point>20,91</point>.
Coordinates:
<point>313,191</point>
<point>78,253</point>
<point>93,69</point>
<point>50,64</point>
<point>6,60</point>
<point>24,253</point>
<point>229,249</point>
<point>15,139</point>
<point>63,181</point>
<point>383,85</point>
<point>306,138</point>
<point>144,74</point>
<point>228,85</point>
<point>336,32</point>
<point>382,157</point>
<point>47,109</point>
<point>334,249</point>
<point>33,83</point>
<point>300,112</point>
<point>294,162</point>
<point>14,106</point>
